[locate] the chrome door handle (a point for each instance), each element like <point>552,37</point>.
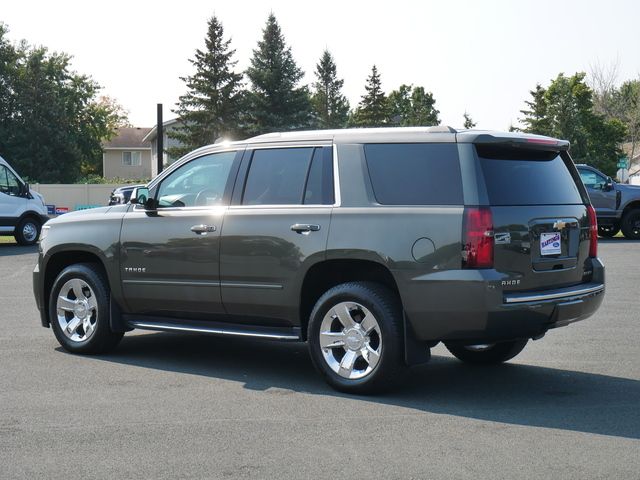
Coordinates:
<point>203,229</point>
<point>304,228</point>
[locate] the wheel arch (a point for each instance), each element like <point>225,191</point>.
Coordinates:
<point>632,205</point>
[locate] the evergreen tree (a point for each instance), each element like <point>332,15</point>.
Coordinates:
<point>330,106</point>
<point>275,101</point>
<point>373,108</point>
<point>412,106</point>
<point>565,110</point>
<point>468,121</point>
<point>210,108</point>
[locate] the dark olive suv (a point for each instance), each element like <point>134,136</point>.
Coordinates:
<point>371,245</point>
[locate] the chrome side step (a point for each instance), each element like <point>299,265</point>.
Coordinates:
<point>216,328</point>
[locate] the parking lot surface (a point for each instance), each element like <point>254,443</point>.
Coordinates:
<point>187,406</point>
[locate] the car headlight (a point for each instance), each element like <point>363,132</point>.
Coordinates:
<point>44,231</point>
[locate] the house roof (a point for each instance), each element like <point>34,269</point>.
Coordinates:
<point>129,137</point>
<point>151,134</point>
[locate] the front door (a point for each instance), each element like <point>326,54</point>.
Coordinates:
<point>276,228</point>
<point>12,203</point>
<point>603,200</point>
<point>170,256</point>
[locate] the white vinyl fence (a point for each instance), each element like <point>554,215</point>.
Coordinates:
<point>70,197</point>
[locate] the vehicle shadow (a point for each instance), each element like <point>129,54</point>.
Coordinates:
<point>12,249</point>
<point>510,393</point>
<point>617,240</point>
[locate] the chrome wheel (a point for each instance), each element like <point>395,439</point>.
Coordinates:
<point>350,340</point>
<point>29,232</point>
<point>77,310</point>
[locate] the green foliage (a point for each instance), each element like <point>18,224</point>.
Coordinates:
<point>468,121</point>
<point>99,179</point>
<point>373,109</point>
<point>275,101</point>
<point>412,106</point>
<point>211,107</point>
<point>330,106</point>
<point>52,124</point>
<point>565,110</point>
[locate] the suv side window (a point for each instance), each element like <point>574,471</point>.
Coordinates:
<point>415,173</point>
<point>9,183</point>
<point>278,176</point>
<point>591,179</point>
<point>198,183</point>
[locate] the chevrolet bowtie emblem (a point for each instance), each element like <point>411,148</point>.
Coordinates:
<point>559,225</point>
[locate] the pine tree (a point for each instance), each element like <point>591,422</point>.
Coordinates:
<point>210,108</point>
<point>410,107</point>
<point>373,109</point>
<point>276,102</point>
<point>330,106</point>
<point>535,119</point>
<point>468,121</point>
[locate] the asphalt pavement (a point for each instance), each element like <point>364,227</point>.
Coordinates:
<point>189,406</point>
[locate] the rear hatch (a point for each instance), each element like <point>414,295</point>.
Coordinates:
<point>540,219</point>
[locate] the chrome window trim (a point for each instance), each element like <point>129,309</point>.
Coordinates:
<point>337,199</point>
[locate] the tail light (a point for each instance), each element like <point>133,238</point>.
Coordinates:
<point>593,231</point>
<point>477,238</point>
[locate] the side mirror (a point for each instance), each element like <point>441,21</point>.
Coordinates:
<point>609,185</point>
<point>26,192</point>
<point>140,196</point>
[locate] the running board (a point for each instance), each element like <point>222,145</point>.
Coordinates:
<point>287,334</point>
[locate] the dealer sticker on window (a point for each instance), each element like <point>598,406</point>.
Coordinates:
<point>550,243</point>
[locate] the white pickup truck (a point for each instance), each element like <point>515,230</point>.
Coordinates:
<point>22,211</point>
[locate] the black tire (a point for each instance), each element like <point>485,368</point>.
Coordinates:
<point>386,309</point>
<point>496,353</point>
<point>102,339</point>
<point>631,224</point>
<point>25,229</point>
<point>608,231</point>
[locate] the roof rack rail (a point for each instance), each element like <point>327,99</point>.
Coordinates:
<point>442,129</point>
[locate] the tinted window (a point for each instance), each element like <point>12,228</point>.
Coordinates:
<point>415,174</point>
<point>319,190</point>
<point>199,183</point>
<point>526,177</point>
<point>277,176</point>
<point>9,184</point>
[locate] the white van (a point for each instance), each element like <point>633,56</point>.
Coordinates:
<point>22,211</point>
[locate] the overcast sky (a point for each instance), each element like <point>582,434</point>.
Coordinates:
<point>478,56</point>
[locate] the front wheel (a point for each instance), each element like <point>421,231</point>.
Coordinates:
<point>355,337</point>
<point>27,231</point>
<point>79,310</point>
<point>631,225</point>
<point>490,353</point>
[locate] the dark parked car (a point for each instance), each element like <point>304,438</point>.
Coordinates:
<point>617,205</point>
<point>372,245</point>
<point>122,195</point>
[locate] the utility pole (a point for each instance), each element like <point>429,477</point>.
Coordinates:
<point>160,139</point>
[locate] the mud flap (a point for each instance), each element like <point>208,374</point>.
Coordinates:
<point>415,352</point>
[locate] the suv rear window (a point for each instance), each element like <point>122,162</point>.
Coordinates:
<point>415,173</point>
<point>526,177</point>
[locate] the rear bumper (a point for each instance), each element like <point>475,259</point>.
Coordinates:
<point>470,305</point>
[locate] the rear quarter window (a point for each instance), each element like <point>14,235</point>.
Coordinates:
<point>527,177</point>
<point>415,173</point>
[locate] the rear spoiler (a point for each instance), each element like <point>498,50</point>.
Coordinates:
<point>529,142</point>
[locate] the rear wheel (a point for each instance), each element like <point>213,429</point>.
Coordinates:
<point>608,231</point>
<point>27,231</point>
<point>355,337</point>
<point>79,310</point>
<point>631,224</point>
<point>490,353</point>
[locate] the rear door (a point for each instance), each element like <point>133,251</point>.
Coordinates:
<point>541,229</point>
<point>276,227</point>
